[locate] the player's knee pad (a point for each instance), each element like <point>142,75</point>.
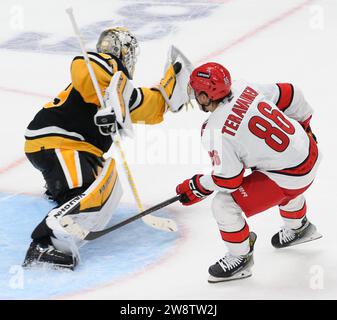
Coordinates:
<point>89,211</point>
<point>225,210</point>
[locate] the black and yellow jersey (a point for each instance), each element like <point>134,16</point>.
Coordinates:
<point>67,122</point>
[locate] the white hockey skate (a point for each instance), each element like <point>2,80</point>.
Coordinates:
<point>233,267</point>
<point>289,237</point>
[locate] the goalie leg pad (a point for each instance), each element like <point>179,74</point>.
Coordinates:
<point>89,211</point>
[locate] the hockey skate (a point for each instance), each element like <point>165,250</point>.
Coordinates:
<point>289,237</point>
<point>38,254</point>
<point>233,267</point>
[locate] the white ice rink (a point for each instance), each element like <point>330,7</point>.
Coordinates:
<point>258,40</point>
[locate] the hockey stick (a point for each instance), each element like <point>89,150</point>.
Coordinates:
<point>83,234</point>
<point>155,222</point>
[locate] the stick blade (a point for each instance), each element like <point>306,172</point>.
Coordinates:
<point>160,223</point>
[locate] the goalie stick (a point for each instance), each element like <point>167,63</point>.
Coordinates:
<point>153,221</point>
<point>84,234</point>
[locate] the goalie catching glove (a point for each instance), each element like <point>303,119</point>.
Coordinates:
<point>173,86</point>
<point>192,191</point>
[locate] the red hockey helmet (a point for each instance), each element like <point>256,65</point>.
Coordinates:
<point>211,78</point>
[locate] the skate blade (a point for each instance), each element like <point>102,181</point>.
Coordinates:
<point>47,266</point>
<point>240,275</point>
<point>314,236</point>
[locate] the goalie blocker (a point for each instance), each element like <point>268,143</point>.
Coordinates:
<point>116,114</point>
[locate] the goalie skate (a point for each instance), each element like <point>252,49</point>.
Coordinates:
<point>233,267</point>
<point>39,254</point>
<point>289,237</point>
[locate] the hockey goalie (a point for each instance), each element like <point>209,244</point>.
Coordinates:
<point>264,128</point>
<point>69,136</point>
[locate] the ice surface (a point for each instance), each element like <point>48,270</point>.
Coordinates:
<point>120,254</point>
<point>258,40</point>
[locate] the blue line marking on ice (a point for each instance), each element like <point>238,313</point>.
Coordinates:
<point>118,254</point>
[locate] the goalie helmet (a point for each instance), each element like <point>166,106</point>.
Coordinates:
<point>121,43</point>
<point>211,78</point>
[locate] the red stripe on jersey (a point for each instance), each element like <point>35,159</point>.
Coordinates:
<point>306,166</point>
<point>286,95</point>
<point>294,214</point>
<point>229,183</point>
<point>306,123</point>
<point>236,236</point>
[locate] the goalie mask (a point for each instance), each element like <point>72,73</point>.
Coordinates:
<point>121,43</point>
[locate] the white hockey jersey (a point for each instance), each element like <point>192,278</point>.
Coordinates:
<point>259,128</point>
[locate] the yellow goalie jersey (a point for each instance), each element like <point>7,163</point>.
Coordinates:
<point>67,122</point>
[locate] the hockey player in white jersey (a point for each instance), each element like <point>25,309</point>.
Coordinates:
<point>264,128</point>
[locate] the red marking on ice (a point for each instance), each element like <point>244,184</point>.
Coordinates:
<point>254,32</point>
<point>12,165</point>
<point>28,93</point>
<point>230,45</point>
